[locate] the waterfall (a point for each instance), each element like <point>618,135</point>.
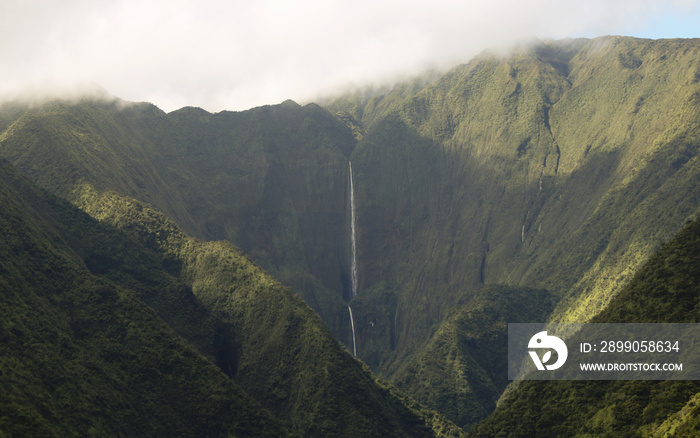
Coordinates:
<point>353,262</point>
<point>352,325</point>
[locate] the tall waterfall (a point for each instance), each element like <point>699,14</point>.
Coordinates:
<point>353,262</point>
<point>352,325</point>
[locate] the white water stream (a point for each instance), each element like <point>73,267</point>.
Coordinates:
<point>353,262</point>
<point>352,324</point>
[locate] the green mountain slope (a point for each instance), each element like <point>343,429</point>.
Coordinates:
<point>85,351</point>
<point>664,290</point>
<point>559,167</point>
<point>83,355</point>
<point>273,180</point>
<point>485,176</point>
<point>282,353</point>
<point>462,371</point>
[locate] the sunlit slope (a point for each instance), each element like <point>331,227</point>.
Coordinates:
<point>462,370</point>
<point>666,289</point>
<point>281,351</point>
<point>99,141</point>
<point>273,180</point>
<point>126,326</point>
<point>561,166</point>
<point>87,350</point>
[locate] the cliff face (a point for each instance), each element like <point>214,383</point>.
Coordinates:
<point>562,167</point>
<point>273,180</point>
<point>116,323</point>
<point>558,168</point>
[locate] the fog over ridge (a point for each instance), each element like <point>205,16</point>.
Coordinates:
<point>235,55</point>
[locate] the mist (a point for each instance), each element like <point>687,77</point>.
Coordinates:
<point>234,55</point>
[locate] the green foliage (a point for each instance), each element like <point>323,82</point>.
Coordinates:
<point>684,422</point>
<point>284,356</point>
<point>90,312</point>
<point>561,166</point>
<point>82,354</point>
<point>664,290</point>
<point>462,370</point>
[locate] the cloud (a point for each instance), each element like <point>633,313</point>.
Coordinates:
<point>237,54</point>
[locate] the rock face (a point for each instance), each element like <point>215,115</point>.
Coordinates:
<point>560,167</point>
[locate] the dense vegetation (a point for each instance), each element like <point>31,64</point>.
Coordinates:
<point>81,352</point>
<point>463,370</point>
<point>91,315</point>
<point>275,347</point>
<point>553,172</point>
<point>529,170</point>
<point>666,289</point>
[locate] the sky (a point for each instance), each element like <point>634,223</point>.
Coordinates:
<point>238,54</point>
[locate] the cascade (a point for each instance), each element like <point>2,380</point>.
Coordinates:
<point>352,325</point>
<point>353,262</point>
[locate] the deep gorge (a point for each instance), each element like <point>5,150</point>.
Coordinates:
<point>523,187</point>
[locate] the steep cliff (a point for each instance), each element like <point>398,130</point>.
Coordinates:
<point>559,167</point>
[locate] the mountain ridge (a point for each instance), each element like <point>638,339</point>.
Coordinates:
<point>126,326</point>
<point>559,167</point>
<point>82,354</point>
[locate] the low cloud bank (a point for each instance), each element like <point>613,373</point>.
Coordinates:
<point>236,55</point>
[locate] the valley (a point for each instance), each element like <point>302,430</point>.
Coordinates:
<point>404,225</point>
